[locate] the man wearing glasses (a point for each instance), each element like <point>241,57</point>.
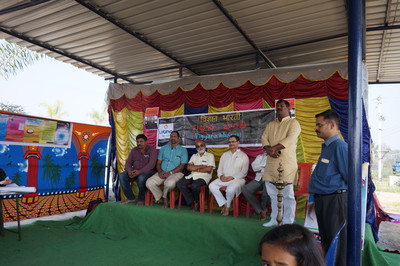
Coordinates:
<point>232,170</point>
<point>280,142</point>
<point>171,160</point>
<point>201,164</point>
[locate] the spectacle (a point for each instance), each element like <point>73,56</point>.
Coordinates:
<point>232,141</point>
<point>198,146</point>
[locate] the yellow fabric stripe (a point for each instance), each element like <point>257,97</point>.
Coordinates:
<point>228,108</point>
<point>134,121</point>
<point>121,138</point>
<point>179,111</point>
<point>306,109</point>
<point>265,104</point>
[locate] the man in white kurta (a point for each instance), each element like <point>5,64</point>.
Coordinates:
<point>201,166</point>
<point>258,184</point>
<point>280,142</point>
<point>232,170</point>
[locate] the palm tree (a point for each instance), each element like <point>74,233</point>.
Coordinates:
<point>51,172</point>
<point>70,181</point>
<point>99,118</point>
<point>55,110</point>
<point>13,108</point>
<point>16,178</point>
<point>14,58</point>
<point>97,169</point>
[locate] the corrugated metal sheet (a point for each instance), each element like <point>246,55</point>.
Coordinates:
<point>118,37</point>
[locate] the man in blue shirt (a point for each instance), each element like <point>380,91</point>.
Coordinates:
<point>171,160</point>
<point>328,183</point>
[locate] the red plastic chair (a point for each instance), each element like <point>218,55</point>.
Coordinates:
<point>202,198</point>
<point>259,193</point>
<point>149,199</point>
<point>304,179</point>
<point>235,203</point>
<point>302,186</point>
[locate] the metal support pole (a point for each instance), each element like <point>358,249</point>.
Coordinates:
<point>108,168</point>
<point>355,40</point>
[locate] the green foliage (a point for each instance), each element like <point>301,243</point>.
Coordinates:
<point>70,181</point>
<point>99,118</point>
<point>54,110</point>
<point>97,169</point>
<point>14,58</point>
<point>13,108</point>
<point>51,172</point>
<point>16,178</point>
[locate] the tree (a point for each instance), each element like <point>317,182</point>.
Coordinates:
<point>16,178</point>
<point>98,168</point>
<point>70,181</point>
<point>51,171</point>
<point>14,58</point>
<point>99,118</point>
<point>13,108</point>
<point>55,110</point>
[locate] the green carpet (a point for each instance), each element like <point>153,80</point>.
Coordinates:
<point>119,234</point>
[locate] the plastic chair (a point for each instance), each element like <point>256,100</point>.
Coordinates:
<point>330,256</point>
<point>258,193</point>
<point>304,179</point>
<point>202,198</point>
<point>235,203</point>
<point>149,198</point>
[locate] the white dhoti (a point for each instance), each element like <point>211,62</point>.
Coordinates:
<point>288,200</point>
<point>233,188</point>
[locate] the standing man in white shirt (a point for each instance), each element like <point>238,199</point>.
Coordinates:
<point>201,164</point>
<point>232,170</point>
<point>257,184</point>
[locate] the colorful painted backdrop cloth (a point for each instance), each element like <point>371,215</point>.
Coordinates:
<point>66,179</point>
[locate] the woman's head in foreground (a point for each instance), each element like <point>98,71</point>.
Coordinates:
<point>291,245</point>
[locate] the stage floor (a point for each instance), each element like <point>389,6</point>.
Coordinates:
<point>126,234</point>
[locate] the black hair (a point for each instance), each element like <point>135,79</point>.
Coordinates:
<point>234,136</point>
<point>298,241</point>
<point>330,115</point>
<point>141,136</point>
<point>283,101</point>
<point>177,133</point>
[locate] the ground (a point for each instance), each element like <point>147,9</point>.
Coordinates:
<point>390,201</point>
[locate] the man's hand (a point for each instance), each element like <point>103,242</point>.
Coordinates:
<point>163,175</point>
<point>134,173</point>
<point>226,178</point>
<point>272,151</point>
<point>131,174</point>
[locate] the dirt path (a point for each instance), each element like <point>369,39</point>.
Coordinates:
<point>390,201</point>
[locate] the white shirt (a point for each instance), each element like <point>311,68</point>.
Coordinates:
<point>233,164</point>
<point>259,166</point>
<point>207,159</point>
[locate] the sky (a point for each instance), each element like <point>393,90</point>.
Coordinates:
<point>390,110</point>
<point>49,81</point>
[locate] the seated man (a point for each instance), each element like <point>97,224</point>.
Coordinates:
<point>201,164</point>
<point>138,167</point>
<point>250,189</point>
<point>232,170</point>
<point>171,160</point>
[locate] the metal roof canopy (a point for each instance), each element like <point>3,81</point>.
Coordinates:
<point>141,41</point>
